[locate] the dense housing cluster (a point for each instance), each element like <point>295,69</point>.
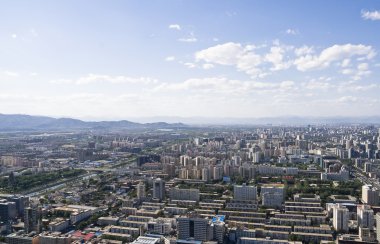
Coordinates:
<point>192,185</point>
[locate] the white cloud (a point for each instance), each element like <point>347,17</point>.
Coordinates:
<point>231,13</point>
<point>170,58</point>
<point>304,50</point>
<point>347,99</point>
<point>345,63</point>
<point>189,39</point>
<point>291,32</point>
<point>363,66</point>
<point>208,85</point>
<point>190,65</point>
<point>207,66</point>
<point>175,27</point>
<point>245,58</point>
<point>224,54</point>
<point>347,71</point>
<point>288,84</point>
<point>252,60</point>
<point>368,15</point>
<point>362,70</point>
<point>318,85</point>
<point>96,78</point>
<point>225,86</point>
<point>332,54</point>
<point>232,54</point>
<point>14,36</point>
<point>276,57</point>
<point>352,87</point>
<point>33,32</point>
<point>10,73</point>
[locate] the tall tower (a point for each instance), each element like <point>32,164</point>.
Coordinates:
<point>340,217</point>
<point>370,195</point>
<point>378,227</point>
<point>196,228</point>
<point>365,216</point>
<point>159,189</point>
<point>31,219</point>
<point>141,190</point>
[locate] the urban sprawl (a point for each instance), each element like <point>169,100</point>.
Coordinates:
<point>191,185</point>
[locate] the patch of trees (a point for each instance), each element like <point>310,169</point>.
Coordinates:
<point>25,182</point>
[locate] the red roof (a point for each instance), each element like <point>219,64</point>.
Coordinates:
<point>83,236</point>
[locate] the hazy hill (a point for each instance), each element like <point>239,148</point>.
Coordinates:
<point>10,122</point>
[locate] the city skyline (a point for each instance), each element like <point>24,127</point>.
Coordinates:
<point>132,59</point>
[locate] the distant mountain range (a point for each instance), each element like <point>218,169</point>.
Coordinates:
<point>281,120</point>
<point>19,122</point>
<point>15,122</point>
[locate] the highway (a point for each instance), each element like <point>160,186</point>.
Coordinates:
<point>365,179</point>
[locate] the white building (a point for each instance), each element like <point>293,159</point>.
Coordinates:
<point>342,175</point>
<point>218,173</point>
<point>256,156</point>
<point>370,195</point>
<point>205,174</point>
<point>378,227</point>
<point>141,190</point>
<point>340,217</point>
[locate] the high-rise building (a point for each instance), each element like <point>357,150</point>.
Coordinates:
<point>219,228</point>
<point>378,227</point>
<point>348,144</point>
<point>199,161</point>
<point>370,195</point>
<point>141,190</point>
<point>245,192</point>
<point>159,189</point>
<point>31,219</point>
<point>7,211</point>
<point>218,173</point>
<point>270,199</point>
<point>183,173</point>
<point>340,218</point>
<point>367,167</point>
<point>169,168</point>
<point>237,160</point>
<point>256,156</point>
<point>365,216</point>
<point>275,190</point>
<point>205,174</point>
<point>227,170</point>
<point>21,203</point>
<point>365,234</point>
<point>197,228</point>
<point>185,160</point>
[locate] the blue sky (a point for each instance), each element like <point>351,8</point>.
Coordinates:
<point>129,59</point>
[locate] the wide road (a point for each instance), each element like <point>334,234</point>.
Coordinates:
<point>42,190</point>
